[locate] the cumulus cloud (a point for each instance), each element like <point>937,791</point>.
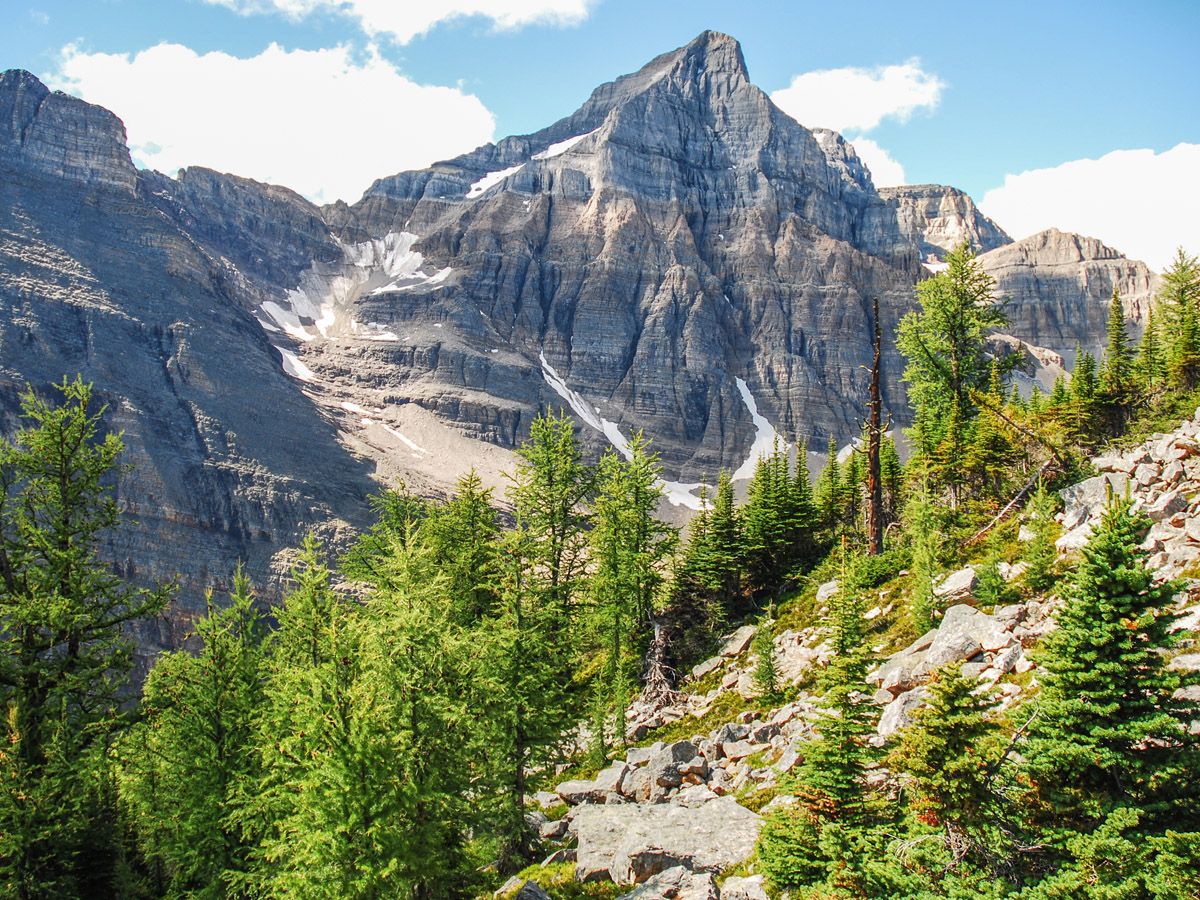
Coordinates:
<point>857,99</point>
<point>885,171</point>
<point>403,20</point>
<point>321,122</point>
<point>1140,202</point>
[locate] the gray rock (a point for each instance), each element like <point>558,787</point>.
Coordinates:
<point>531,890</point>
<point>957,585</point>
<point>709,665</point>
<point>676,883</point>
<point>827,590</point>
<point>1167,505</point>
<point>738,642</point>
<point>748,888</point>
<point>662,771</point>
<point>635,841</point>
<point>898,713</point>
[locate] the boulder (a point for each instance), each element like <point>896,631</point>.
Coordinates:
<point>827,590</point>
<point>676,883</point>
<point>612,779</point>
<point>629,843</point>
<point>736,888</point>
<point>579,791</point>
<point>957,585</point>
<point>738,642</point>
<point>963,632</point>
<point>531,890</point>
<point>1087,499</point>
<point>736,750</point>
<point>1075,539</point>
<point>709,665</point>
<point>1167,505</point>
<point>898,713</point>
<point>1187,662</point>
<point>639,756</point>
<point>1146,474</point>
<point>662,771</point>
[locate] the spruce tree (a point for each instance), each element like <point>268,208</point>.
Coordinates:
<point>1118,358</point>
<point>1179,298</point>
<point>1150,365</point>
<point>1039,553</point>
<point>950,757</point>
<point>1109,731</point>
<point>766,671</point>
<point>462,534</point>
<point>925,540</point>
<point>188,767</point>
<point>65,656</point>
<point>945,343</point>
<point>828,493</point>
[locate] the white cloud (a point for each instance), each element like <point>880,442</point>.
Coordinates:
<point>403,20</point>
<point>855,99</point>
<point>1140,202</point>
<point>317,121</point>
<point>885,171</point>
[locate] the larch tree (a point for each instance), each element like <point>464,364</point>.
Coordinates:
<point>188,766</point>
<point>65,656</point>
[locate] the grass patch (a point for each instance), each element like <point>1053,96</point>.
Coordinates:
<point>558,880</point>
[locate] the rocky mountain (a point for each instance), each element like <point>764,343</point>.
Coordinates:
<point>677,256</point>
<point>939,218</point>
<point>95,279</point>
<point>1057,287</point>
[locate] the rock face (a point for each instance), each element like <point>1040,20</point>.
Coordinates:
<point>677,256</point>
<point>95,280</point>
<point>1057,287</point>
<point>940,218</point>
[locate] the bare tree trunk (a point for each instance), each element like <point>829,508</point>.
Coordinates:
<point>874,440</point>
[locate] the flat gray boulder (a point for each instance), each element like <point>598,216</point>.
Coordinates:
<point>630,843</point>
<point>677,883</point>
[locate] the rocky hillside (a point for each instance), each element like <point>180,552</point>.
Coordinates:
<point>683,810</point>
<point>677,256</point>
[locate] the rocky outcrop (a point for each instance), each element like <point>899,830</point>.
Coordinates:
<point>631,843</point>
<point>939,218</point>
<point>1162,477</point>
<point>1056,287</point>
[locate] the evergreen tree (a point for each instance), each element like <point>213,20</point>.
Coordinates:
<point>945,345</point>
<point>1039,553</point>
<point>188,766</point>
<point>64,654</point>
<point>925,538</point>
<point>1110,731</point>
<point>462,534</point>
<point>549,490</point>
<point>951,757</point>
<point>1150,365</point>
<point>828,493</point>
<point>831,776</point>
<point>524,705</point>
<point>1082,418</point>
<point>766,672</point>
<point>628,548</point>
<point>1118,358</point>
<point>777,520</point>
<point>891,472</point>
<point>365,746</point>
<point>1179,298</point>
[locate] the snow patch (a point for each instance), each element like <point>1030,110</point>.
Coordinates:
<point>353,408</point>
<point>677,493</point>
<point>764,435</point>
<point>294,367</point>
<point>561,147</point>
<point>491,179</point>
<point>408,442</point>
<point>321,305</point>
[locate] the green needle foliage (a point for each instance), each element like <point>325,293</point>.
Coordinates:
<point>64,654</point>
<point>189,765</point>
<point>1109,730</point>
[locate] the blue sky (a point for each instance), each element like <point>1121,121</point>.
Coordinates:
<point>1007,101</point>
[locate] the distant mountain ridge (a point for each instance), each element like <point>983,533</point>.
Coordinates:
<point>677,256</point>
